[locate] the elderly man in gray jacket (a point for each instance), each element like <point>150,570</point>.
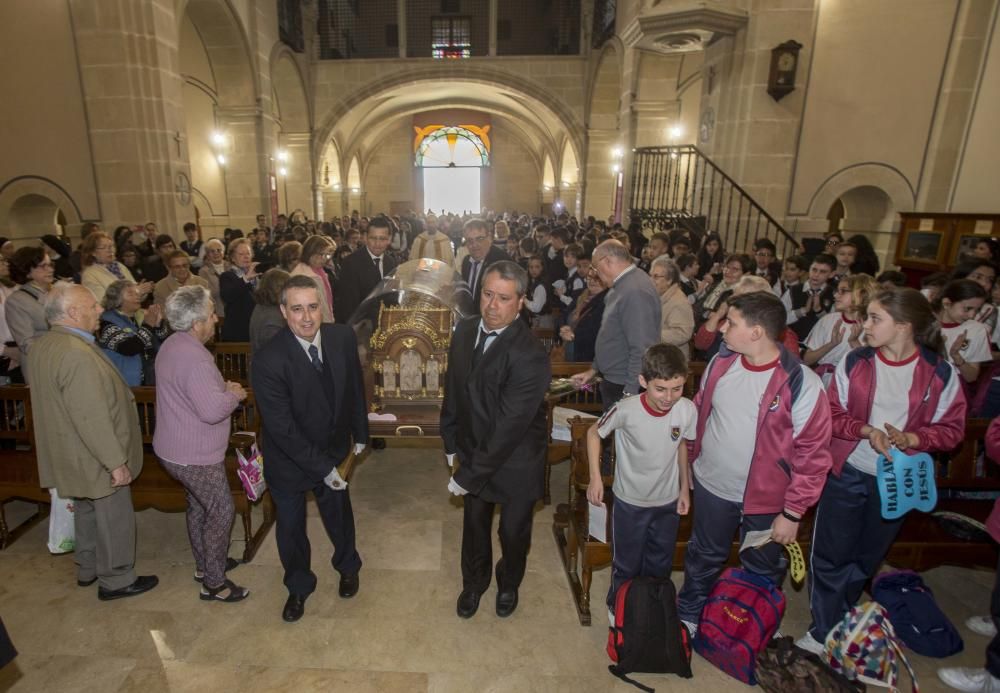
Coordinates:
<point>88,440</point>
<point>631,323</point>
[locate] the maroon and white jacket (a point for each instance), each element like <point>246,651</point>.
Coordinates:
<point>936,404</point>
<point>787,471</point>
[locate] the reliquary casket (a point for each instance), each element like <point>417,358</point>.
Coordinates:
<point>404,330</point>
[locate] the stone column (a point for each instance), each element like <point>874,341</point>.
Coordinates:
<point>127,55</point>
<point>298,184</point>
<point>599,195</point>
<point>401,24</point>
<point>494,14</point>
<point>247,164</point>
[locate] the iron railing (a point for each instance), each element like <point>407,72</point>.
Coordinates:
<point>677,185</point>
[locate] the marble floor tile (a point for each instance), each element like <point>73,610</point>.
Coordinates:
<point>400,633</point>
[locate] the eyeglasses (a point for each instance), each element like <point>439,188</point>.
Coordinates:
<point>475,240</point>
<point>842,290</point>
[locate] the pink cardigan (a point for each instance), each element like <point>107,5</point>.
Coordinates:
<point>192,404</point>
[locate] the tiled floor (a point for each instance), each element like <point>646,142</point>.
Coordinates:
<point>399,634</point>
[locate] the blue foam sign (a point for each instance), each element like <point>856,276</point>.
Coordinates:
<point>905,483</point>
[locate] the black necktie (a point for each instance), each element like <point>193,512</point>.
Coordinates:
<point>378,266</point>
<point>314,357</point>
<point>473,271</point>
<point>481,347</point>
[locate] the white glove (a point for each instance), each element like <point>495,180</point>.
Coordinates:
<point>359,448</point>
<point>334,480</point>
<point>450,456</point>
<point>455,489</point>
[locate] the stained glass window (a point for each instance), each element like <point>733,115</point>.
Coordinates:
<point>451,37</point>
<point>452,147</point>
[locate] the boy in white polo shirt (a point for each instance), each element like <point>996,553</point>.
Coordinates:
<point>651,486</point>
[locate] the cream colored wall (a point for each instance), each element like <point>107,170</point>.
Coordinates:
<point>873,85</point>
<point>389,173</point>
<point>43,127</point>
<point>207,175</point>
<point>515,177</point>
<point>976,189</point>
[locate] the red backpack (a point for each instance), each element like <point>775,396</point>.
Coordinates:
<point>740,617</point>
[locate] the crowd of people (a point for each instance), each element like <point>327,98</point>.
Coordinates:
<point>827,350</point>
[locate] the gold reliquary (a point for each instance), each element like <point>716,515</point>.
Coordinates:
<point>408,321</point>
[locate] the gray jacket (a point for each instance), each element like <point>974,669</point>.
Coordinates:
<point>631,324</point>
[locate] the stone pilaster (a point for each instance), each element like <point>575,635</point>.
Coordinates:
<point>127,53</point>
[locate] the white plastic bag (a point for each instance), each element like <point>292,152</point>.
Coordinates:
<point>62,527</point>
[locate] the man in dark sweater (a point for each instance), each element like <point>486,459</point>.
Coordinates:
<point>630,325</point>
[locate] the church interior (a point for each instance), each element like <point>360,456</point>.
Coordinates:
<point>784,119</point>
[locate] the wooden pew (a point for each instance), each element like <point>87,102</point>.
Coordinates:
<point>581,400</point>
<point>18,469</point>
<point>153,488</point>
<point>581,553</point>
<point>922,543</point>
<point>233,361</point>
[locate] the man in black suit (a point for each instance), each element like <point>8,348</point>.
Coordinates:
<point>478,236</point>
<point>363,270</point>
<point>308,385</point>
<point>493,418</point>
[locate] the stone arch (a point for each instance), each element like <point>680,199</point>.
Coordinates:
<point>548,173</point>
<point>228,47</point>
<point>292,97</point>
<point>425,77</point>
<point>604,96</point>
<point>30,206</point>
<point>867,190</point>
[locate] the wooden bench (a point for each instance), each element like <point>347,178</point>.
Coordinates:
<point>233,360</point>
<point>153,488</point>
<point>922,543</point>
<point>589,401</point>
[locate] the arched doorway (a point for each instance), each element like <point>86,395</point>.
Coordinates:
<point>452,159</point>
<point>33,216</point>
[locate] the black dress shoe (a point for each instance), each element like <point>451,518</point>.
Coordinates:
<point>378,443</point>
<point>86,583</point>
<point>349,585</point>
<point>468,603</point>
<point>506,603</point>
<point>143,583</point>
<point>295,606</point>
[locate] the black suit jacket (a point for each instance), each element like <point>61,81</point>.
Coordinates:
<point>356,280</point>
<point>494,255</point>
<point>493,415</point>
<point>303,436</point>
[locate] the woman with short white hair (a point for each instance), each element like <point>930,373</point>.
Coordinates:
<point>193,409</point>
<point>213,265</point>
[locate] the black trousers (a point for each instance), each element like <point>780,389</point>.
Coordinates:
<point>716,520</point>
<point>477,543</point>
<point>293,542</point>
<point>7,651</point>
<point>643,541</point>
<point>850,540</point>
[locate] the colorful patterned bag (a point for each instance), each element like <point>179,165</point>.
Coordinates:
<point>864,647</point>
<point>250,470</point>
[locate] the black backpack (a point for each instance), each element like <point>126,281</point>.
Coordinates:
<point>647,635</point>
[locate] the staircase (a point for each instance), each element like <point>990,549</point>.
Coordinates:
<point>677,185</point>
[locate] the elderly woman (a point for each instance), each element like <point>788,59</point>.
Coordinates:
<point>677,322</point>
<point>579,335</point>
<point>126,336</point>
<point>317,251</point>
<point>24,309</point>
<point>212,268</point>
<point>708,338</point>
<point>267,320</point>
<point>100,269</point>
<point>735,267</point>
<point>236,287</point>
<point>193,409</point>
